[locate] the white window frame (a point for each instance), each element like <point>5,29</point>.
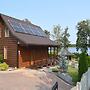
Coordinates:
<point>5,52</point>
<point>6,32</point>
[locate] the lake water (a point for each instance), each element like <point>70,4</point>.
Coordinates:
<point>73,50</point>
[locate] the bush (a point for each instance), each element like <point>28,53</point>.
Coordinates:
<point>1,58</point>
<point>88,61</point>
<point>83,66</point>
<point>55,69</point>
<point>76,56</point>
<point>73,72</point>
<point>3,67</point>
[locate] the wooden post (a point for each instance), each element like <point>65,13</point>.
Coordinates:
<point>54,52</point>
<point>50,51</point>
<point>57,50</point>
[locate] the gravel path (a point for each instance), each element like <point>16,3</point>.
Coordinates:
<point>30,80</point>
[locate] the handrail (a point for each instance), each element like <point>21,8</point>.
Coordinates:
<point>55,87</point>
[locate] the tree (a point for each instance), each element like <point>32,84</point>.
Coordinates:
<point>65,40</point>
<point>64,51</point>
<point>61,37</point>
<point>83,35</point>
<point>82,43</point>
<point>47,33</point>
<point>83,66</point>
<point>57,34</point>
<point>62,40</point>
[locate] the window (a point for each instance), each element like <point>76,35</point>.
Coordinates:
<point>5,52</point>
<point>6,32</point>
<point>49,50</point>
<point>0,33</point>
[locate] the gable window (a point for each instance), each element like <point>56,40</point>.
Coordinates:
<point>0,33</point>
<point>6,32</point>
<point>5,52</point>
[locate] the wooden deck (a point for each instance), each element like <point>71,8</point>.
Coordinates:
<point>43,62</point>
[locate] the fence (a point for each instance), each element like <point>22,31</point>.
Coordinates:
<point>84,84</point>
<point>85,81</point>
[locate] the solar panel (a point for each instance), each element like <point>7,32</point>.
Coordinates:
<point>42,33</point>
<point>26,28</point>
<point>16,26</point>
<point>32,30</point>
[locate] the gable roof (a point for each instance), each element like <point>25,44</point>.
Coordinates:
<point>39,38</point>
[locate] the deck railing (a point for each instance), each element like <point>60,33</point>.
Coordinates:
<point>55,87</point>
<point>44,62</point>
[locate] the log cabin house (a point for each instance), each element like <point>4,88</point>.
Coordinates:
<point>24,44</point>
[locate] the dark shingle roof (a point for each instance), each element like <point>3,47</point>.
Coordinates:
<point>28,39</point>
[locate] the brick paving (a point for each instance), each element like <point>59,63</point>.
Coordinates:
<point>30,80</point>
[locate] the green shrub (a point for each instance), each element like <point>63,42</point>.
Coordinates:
<point>88,61</point>
<point>1,58</point>
<point>55,69</point>
<point>73,72</point>
<point>83,66</point>
<point>3,67</point>
<point>75,55</point>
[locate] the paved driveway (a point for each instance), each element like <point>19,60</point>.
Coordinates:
<point>30,80</point>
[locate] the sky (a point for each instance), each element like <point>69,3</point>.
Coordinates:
<point>47,13</point>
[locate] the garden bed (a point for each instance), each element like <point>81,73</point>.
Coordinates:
<point>73,72</point>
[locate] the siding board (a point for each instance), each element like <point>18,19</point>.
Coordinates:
<point>11,44</point>
<point>37,55</point>
<point>29,55</point>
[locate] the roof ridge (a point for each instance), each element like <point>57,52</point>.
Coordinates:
<point>32,39</point>
<point>19,20</point>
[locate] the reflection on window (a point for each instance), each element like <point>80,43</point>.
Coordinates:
<point>49,50</point>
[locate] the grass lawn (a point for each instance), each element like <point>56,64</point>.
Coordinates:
<point>73,72</point>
